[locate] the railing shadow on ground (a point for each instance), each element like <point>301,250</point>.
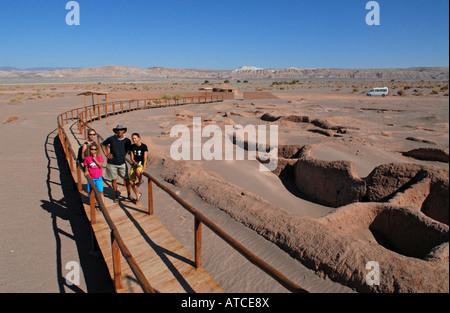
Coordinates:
<point>69,209</point>
<point>161,251</point>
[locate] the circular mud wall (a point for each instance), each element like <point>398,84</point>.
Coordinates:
<point>330,183</point>
<point>335,183</point>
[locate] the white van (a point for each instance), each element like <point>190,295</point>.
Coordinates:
<point>379,91</point>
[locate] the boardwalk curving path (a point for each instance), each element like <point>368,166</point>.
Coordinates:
<point>49,219</point>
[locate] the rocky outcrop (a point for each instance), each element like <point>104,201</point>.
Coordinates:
<point>322,126</point>
<point>268,117</point>
<point>428,154</point>
<point>297,118</point>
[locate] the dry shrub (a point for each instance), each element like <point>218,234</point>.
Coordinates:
<point>17,99</point>
<point>10,118</point>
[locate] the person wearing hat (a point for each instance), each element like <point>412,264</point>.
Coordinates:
<point>115,149</point>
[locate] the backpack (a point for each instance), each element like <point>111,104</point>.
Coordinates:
<point>80,151</point>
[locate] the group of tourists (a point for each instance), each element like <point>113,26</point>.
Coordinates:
<point>115,148</point>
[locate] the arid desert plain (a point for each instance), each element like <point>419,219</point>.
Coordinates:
<point>360,182</point>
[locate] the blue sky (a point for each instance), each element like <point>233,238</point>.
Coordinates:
<point>224,34</point>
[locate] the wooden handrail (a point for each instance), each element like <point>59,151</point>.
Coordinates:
<point>146,287</point>
<point>88,110</point>
<point>268,269</point>
<point>199,218</point>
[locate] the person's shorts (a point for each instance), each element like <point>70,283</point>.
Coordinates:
<point>133,175</point>
<point>113,172</point>
<point>98,183</point>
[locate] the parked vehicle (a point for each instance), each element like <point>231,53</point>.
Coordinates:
<point>379,91</point>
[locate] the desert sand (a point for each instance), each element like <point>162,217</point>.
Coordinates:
<point>354,173</point>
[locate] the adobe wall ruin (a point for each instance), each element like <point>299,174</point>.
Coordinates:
<point>411,248</point>
<point>336,183</point>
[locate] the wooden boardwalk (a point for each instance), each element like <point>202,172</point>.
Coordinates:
<point>166,264</point>
<point>159,262</point>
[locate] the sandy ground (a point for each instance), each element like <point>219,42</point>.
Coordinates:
<point>43,230</point>
<point>41,224</point>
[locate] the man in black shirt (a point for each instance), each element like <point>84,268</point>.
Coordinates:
<point>119,146</point>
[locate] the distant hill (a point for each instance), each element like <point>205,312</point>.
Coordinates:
<point>9,68</point>
<point>244,72</point>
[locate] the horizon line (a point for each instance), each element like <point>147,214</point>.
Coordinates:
<point>52,68</point>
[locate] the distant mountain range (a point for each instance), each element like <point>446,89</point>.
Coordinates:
<point>244,72</point>
<point>9,68</point>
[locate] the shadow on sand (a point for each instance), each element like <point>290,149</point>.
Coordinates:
<point>69,210</point>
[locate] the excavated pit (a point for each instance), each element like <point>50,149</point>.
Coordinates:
<point>336,183</point>
<point>414,198</point>
<point>406,233</point>
<point>412,189</point>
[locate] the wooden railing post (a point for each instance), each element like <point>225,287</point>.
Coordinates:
<point>198,242</point>
<point>150,197</point>
<point>59,131</point>
<point>70,162</point>
<point>92,205</point>
<point>79,177</point>
<point>116,262</point>
<point>69,156</point>
<point>64,142</point>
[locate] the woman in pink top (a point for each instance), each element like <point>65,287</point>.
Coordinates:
<point>94,167</point>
